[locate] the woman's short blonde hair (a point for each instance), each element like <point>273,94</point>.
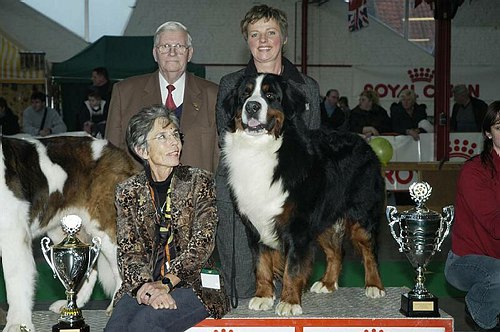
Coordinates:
<point>408,94</point>
<point>267,13</point>
<point>371,95</point>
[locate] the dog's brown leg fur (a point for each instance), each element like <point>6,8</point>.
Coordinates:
<point>264,272</point>
<point>331,243</point>
<point>294,283</point>
<point>363,242</point>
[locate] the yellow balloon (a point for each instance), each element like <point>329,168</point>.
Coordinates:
<point>382,148</point>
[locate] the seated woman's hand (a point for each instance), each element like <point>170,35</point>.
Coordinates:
<point>369,131</point>
<point>156,295</point>
<point>413,133</point>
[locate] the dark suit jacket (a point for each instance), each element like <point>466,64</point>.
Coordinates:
<point>200,146</point>
<point>479,108</point>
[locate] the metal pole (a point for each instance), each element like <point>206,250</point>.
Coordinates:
<point>303,61</point>
<point>442,65</point>
<point>86,21</point>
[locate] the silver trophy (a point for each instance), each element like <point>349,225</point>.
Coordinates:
<point>71,261</point>
<point>420,232</point>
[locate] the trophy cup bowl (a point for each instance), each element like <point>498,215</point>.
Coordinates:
<point>71,261</point>
<point>419,232</point>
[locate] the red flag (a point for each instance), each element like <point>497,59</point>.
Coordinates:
<point>358,15</point>
<point>355,4</point>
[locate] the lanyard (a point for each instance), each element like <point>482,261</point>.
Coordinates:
<point>164,222</point>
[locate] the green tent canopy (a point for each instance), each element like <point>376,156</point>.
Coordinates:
<point>121,56</point>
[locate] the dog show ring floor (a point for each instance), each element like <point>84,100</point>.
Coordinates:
<point>347,309</point>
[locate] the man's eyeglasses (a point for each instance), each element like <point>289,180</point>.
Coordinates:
<point>177,48</point>
<point>165,137</point>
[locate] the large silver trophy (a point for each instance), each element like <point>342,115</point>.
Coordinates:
<point>420,232</point>
<point>71,261</point>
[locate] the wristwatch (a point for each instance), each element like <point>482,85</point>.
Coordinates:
<point>166,281</point>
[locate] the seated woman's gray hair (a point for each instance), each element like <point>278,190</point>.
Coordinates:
<point>142,122</point>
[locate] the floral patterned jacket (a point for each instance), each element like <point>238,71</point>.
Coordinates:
<point>194,222</point>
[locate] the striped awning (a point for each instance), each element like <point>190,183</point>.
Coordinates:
<point>18,66</point>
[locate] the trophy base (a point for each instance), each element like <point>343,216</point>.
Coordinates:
<point>68,327</point>
<point>414,307</point>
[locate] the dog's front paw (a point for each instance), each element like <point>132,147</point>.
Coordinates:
<point>57,306</point>
<point>374,292</point>
<point>287,309</point>
<point>320,287</point>
<point>261,303</point>
<point>19,327</point>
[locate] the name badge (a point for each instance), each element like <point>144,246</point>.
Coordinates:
<point>210,278</point>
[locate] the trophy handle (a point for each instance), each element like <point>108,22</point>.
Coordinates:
<point>447,218</point>
<point>47,253</point>
<point>94,254</point>
<point>393,217</point>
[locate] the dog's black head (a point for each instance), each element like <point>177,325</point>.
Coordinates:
<point>264,104</point>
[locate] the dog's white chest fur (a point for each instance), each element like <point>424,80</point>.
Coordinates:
<point>251,161</point>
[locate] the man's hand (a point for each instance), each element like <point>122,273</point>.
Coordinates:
<point>45,132</point>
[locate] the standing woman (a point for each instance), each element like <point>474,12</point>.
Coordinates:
<point>473,263</point>
<point>265,29</point>
<point>166,222</point>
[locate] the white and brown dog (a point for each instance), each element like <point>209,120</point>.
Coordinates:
<point>41,181</point>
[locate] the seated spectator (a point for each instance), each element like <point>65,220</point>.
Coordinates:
<point>9,123</point>
<point>40,120</point>
<point>369,118</point>
<point>473,263</point>
<point>408,117</point>
<point>92,117</point>
<point>332,116</point>
<point>468,112</point>
<point>344,104</point>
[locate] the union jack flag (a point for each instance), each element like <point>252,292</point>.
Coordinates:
<point>358,15</point>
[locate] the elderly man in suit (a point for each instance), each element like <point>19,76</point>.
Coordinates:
<point>192,98</point>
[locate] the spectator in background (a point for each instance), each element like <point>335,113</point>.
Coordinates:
<point>192,98</point>
<point>92,116</point>
<point>369,118</point>
<point>40,120</point>
<point>408,117</point>
<point>468,112</point>
<point>344,105</point>
<point>332,116</point>
<point>473,263</point>
<point>9,123</point>
<point>100,81</point>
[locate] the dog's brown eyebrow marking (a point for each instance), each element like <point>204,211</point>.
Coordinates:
<point>249,87</point>
<point>266,87</point>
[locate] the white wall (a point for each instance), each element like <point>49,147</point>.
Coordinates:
<point>214,25</point>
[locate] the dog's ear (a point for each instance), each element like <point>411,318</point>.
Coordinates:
<point>293,100</point>
<point>231,105</point>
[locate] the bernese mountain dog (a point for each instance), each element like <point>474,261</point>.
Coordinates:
<point>297,188</point>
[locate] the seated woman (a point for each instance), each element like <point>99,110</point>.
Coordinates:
<point>408,117</point>
<point>369,118</point>
<point>165,232</point>
<point>473,263</point>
